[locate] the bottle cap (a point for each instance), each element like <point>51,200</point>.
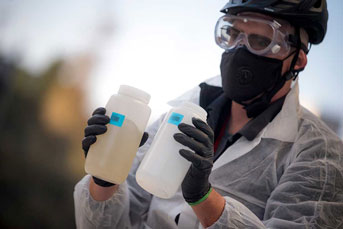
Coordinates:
<point>134,93</point>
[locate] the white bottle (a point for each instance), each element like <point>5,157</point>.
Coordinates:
<point>110,157</point>
<point>163,169</point>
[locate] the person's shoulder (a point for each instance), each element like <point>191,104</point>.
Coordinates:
<point>193,94</point>
<point>314,125</point>
<point>314,133</point>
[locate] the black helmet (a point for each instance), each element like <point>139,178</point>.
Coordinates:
<point>312,15</point>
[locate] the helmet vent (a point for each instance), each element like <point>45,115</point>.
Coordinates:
<point>284,6</point>
<point>238,1</point>
<point>317,4</point>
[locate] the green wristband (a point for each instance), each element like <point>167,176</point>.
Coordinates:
<point>202,199</point>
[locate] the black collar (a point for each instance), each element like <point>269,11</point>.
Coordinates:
<point>254,126</point>
<point>218,107</point>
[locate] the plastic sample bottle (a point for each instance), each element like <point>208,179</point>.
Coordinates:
<point>110,157</point>
<point>163,169</point>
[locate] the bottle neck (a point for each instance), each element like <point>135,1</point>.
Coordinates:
<point>134,93</point>
<point>133,98</point>
<point>195,109</point>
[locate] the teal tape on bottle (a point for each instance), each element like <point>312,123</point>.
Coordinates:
<point>175,118</point>
<point>117,119</point>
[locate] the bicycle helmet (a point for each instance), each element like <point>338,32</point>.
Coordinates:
<point>312,15</point>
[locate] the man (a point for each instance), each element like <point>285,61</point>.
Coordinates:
<point>261,160</point>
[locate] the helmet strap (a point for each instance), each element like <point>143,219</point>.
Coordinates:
<point>292,73</point>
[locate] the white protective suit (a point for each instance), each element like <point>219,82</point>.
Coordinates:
<point>289,176</point>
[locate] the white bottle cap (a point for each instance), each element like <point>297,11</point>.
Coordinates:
<point>196,109</point>
<point>134,93</point>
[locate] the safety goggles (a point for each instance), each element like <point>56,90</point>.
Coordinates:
<point>261,37</point>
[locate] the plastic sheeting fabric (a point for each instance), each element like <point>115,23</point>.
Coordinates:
<point>278,180</point>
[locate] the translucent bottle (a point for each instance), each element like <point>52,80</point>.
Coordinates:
<point>110,157</point>
<point>163,169</point>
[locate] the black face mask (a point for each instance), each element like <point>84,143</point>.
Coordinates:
<point>246,75</point>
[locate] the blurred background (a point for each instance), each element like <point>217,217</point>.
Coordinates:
<point>59,60</point>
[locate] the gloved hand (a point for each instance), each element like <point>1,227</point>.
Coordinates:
<point>96,126</point>
<point>195,186</point>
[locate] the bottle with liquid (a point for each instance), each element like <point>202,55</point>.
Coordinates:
<point>163,169</point>
<point>111,156</point>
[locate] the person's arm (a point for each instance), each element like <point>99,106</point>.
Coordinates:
<point>309,193</point>
<point>209,206</point>
<point>100,193</point>
<point>99,189</point>
<point>206,203</point>
<point>112,206</point>
<point>90,213</point>
<point>100,204</point>
<point>215,204</point>
<point>95,199</point>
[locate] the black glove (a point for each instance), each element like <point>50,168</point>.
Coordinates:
<point>196,186</point>
<point>96,126</point>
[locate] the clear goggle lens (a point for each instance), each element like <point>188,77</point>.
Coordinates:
<point>260,36</point>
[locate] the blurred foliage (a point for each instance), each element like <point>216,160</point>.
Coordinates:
<point>41,125</point>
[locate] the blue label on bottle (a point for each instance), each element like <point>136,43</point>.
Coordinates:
<point>117,119</point>
<point>175,118</point>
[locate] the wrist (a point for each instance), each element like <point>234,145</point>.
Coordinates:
<point>201,199</point>
<point>210,210</point>
<point>197,194</point>
<point>100,193</point>
<point>102,183</point>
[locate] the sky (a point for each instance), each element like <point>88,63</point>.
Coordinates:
<point>163,47</point>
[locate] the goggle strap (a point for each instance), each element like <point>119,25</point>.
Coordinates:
<point>290,54</point>
<point>309,48</point>
<point>294,39</point>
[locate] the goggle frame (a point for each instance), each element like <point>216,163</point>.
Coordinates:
<point>280,44</point>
